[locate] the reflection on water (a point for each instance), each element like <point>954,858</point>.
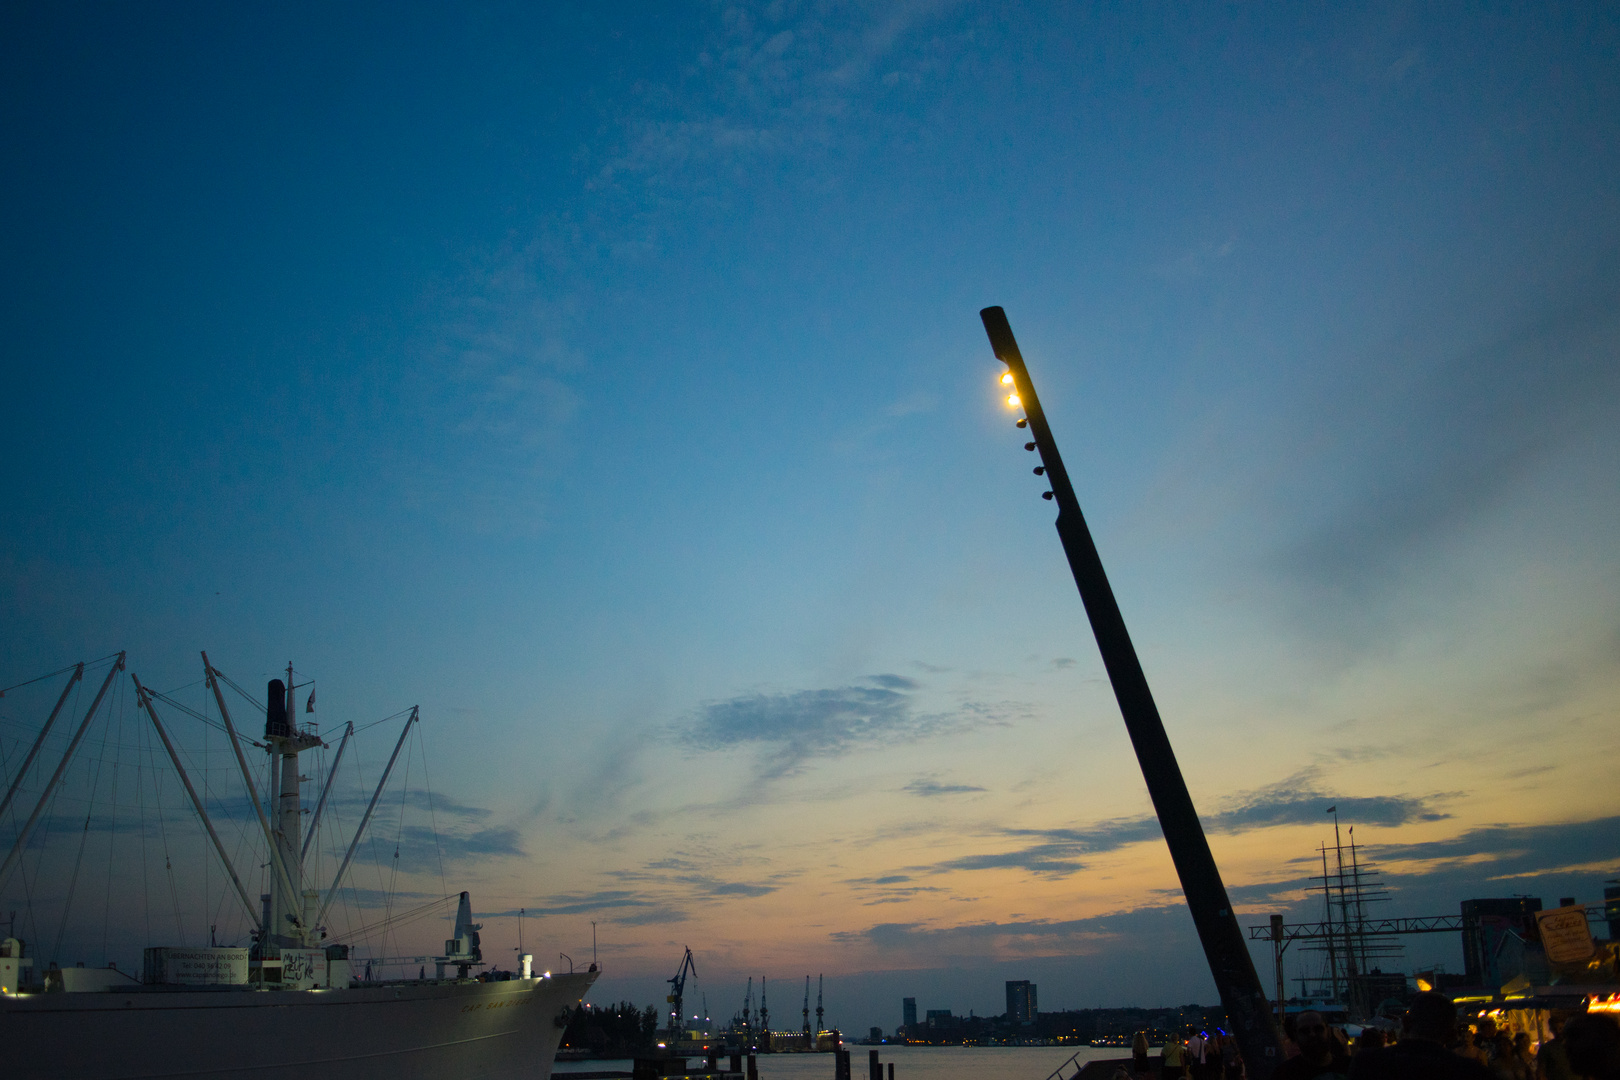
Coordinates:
<point>910,1062</point>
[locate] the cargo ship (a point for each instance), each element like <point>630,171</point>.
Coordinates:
<point>290,1003</point>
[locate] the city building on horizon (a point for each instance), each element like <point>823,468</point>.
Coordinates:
<point>908,1013</point>
<point>1021,1007</point>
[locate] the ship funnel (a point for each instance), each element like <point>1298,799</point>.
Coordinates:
<point>275,715</point>
<point>467,938</point>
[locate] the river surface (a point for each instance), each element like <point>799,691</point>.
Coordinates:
<point>910,1062</point>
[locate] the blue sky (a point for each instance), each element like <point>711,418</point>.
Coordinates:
<point>610,383</point>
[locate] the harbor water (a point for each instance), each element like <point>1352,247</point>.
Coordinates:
<point>910,1062</point>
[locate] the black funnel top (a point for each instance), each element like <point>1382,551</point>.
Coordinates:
<point>275,713</point>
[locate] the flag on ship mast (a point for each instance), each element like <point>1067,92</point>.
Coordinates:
<point>309,706</point>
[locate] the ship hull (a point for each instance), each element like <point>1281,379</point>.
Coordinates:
<point>402,1031</point>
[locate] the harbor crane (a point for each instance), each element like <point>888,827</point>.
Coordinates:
<point>809,1038</point>
<point>677,987</point>
<point>820,1027</point>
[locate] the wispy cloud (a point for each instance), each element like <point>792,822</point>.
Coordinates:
<point>1513,850</point>
<point>1299,801</point>
<point>1568,858</point>
<point>493,398</point>
<point>928,787</point>
<point>793,727</point>
<point>1027,937</point>
<point>653,916</point>
<point>701,886</point>
<point>420,850</point>
<point>671,888</point>
<point>1295,801</point>
<point>586,903</point>
<point>771,82</point>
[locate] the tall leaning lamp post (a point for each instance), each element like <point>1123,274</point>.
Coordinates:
<point>1229,962</point>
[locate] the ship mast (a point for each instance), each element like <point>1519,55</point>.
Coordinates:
<point>294,924</point>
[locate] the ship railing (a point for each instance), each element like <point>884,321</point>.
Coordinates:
<point>1080,1067</point>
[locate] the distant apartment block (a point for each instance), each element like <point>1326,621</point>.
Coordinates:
<point>909,1013</point>
<point>1021,1002</point>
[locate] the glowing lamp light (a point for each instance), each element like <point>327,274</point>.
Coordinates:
<point>1007,379</point>
<point>1014,401</point>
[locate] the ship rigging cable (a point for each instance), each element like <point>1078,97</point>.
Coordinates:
<point>84,834</point>
<point>76,801</point>
<point>53,674</point>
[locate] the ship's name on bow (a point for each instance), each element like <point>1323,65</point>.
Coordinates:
<point>505,1003</point>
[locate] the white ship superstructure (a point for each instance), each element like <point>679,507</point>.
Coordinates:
<point>290,1003</point>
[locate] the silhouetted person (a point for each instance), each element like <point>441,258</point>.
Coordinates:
<point>1521,1053</point>
<point>1505,1062</point>
<point>1592,1043</point>
<point>1369,1039</point>
<point>1320,1053</point>
<point>1139,1049</point>
<point>1427,1030</point>
<point>1231,1059</point>
<point>1469,1047</point>
<point>1552,1063</point>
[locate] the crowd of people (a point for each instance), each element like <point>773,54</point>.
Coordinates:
<point>1197,1055</point>
<point>1432,1044</point>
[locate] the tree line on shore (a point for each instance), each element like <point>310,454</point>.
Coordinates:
<point>612,1031</point>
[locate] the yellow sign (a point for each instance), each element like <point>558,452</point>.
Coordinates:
<point>1565,935</point>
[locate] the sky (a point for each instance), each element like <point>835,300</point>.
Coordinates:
<point>608,382</point>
